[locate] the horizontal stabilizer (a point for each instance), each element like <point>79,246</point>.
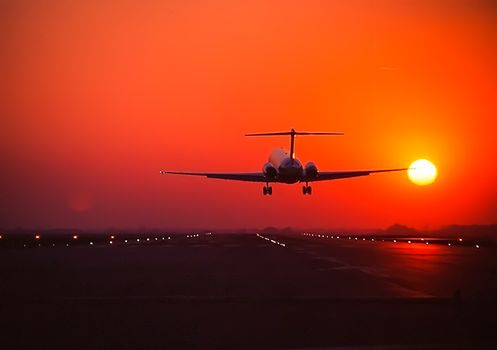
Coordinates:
<point>293,132</point>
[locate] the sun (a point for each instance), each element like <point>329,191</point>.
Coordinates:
<point>422,172</point>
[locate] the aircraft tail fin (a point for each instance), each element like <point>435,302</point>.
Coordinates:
<point>292,133</point>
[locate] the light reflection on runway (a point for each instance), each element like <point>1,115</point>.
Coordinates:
<point>429,266</point>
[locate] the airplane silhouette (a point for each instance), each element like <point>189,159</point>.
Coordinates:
<point>283,167</point>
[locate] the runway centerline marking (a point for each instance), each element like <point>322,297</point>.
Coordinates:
<point>271,240</point>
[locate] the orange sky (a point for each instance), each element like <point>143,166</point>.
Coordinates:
<point>98,96</point>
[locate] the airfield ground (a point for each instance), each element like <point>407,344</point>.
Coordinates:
<point>245,291</point>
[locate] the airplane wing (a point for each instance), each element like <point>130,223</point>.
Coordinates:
<point>253,177</point>
<point>334,175</point>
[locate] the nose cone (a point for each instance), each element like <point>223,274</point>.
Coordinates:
<point>290,170</point>
<point>291,164</point>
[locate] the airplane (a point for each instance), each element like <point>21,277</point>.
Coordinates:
<point>283,167</point>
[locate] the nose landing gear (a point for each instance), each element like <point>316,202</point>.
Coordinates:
<point>306,189</point>
<point>267,190</point>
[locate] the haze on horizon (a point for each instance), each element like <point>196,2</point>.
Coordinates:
<point>98,96</point>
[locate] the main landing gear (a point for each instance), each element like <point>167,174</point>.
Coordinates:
<point>306,189</point>
<point>267,190</point>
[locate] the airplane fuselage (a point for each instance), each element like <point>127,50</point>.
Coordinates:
<point>289,170</point>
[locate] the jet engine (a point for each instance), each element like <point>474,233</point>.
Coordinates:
<point>269,170</point>
<point>311,170</point>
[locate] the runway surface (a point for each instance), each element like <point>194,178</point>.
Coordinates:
<point>245,291</point>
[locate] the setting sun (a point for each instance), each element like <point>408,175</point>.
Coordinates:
<point>422,172</point>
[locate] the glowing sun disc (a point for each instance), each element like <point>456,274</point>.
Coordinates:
<point>422,172</point>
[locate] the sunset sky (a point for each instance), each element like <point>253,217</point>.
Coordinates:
<point>98,96</point>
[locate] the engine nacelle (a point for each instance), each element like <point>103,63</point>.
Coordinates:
<point>311,170</point>
<point>269,171</point>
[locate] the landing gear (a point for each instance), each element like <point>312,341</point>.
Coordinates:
<point>306,189</point>
<point>267,190</point>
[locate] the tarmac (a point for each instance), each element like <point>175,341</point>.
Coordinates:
<point>254,290</point>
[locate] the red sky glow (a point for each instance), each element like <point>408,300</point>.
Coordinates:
<point>98,96</point>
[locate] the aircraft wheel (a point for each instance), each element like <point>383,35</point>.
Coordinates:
<point>270,190</point>
<point>309,190</point>
<point>304,190</point>
<point>264,190</point>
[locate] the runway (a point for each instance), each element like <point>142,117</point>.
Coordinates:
<point>244,291</point>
